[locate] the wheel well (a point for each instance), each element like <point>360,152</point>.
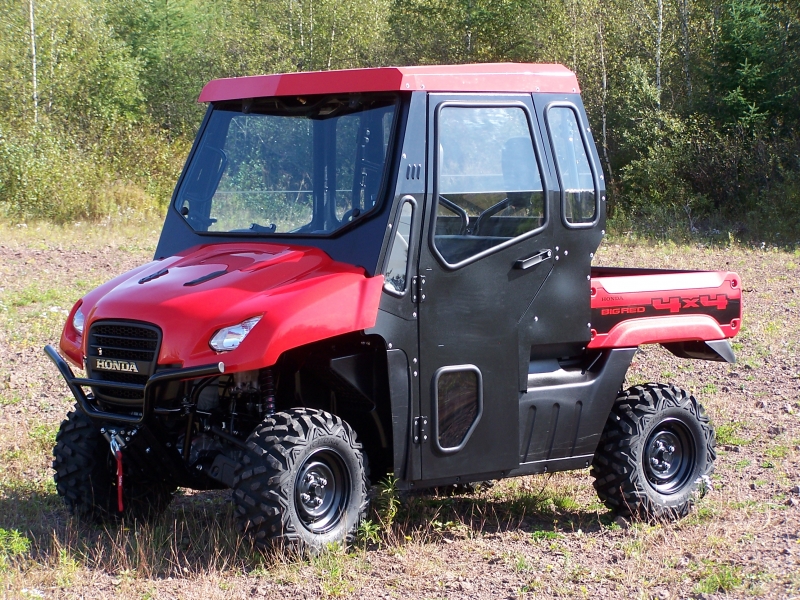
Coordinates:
<point>348,377</point>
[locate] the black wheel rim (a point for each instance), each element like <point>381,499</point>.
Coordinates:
<point>669,457</point>
<point>322,490</point>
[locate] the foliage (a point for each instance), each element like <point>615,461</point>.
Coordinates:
<point>695,104</point>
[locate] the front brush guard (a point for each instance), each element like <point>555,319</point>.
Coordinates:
<point>76,385</point>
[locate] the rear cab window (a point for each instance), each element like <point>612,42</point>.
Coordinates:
<point>576,172</point>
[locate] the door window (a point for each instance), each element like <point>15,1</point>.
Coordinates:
<point>488,183</point>
<point>579,197</point>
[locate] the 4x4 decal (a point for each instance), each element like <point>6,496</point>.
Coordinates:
<point>676,304</point>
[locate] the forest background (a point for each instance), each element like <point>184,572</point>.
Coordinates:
<point>694,104</point>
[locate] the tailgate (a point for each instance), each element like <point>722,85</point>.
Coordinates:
<point>644,306</point>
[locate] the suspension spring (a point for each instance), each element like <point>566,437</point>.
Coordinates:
<point>269,391</point>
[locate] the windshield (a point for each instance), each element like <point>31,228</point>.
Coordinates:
<point>303,166</point>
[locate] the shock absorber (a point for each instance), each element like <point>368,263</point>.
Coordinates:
<point>268,390</point>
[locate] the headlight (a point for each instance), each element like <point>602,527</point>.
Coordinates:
<point>78,321</point>
<point>229,338</point>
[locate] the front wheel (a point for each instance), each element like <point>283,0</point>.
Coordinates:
<point>656,453</point>
<point>85,476</point>
<point>302,481</point>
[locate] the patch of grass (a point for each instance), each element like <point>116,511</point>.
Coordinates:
<point>66,569</point>
<point>44,436</point>
<point>337,570</point>
<point>10,400</point>
<point>387,502</point>
<point>369,532</point>
<point>13,544</point>
<point>728,434</point>
<point>716,577</point>
<point>32,294</point>
<point>521,564</point>
<point>709,389</point>
<point>545,535</point>
<point>777,451</point>
<point>742,464</point>
<point>703,513</point>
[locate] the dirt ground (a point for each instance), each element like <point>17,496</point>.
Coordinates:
<point>532,537</point>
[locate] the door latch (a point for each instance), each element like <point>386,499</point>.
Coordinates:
<point>527,263</point>
<point>420,430</point>
<point>418,288</point>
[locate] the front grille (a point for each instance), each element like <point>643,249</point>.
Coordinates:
<point>130,342</point>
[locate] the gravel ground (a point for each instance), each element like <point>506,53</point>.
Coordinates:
<point>533,537</point>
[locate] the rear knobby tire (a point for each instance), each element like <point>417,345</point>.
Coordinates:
<point>85,476</point>
<point>655,455</point>
<point>302,481</point>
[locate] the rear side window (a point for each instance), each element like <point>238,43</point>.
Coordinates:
<point>488,182</point>
<point>396,276</point>
<point>579,196</point>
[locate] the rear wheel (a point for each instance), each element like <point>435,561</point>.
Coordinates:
<point>302,481</point>
<point>656,453</point>
<point>85,476</point>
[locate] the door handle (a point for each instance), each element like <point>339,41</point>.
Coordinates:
<point>527,263</point>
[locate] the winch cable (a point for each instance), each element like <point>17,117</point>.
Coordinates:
<point>115,448</point>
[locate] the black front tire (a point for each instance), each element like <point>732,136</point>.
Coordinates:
<point>85,476</point>
<point>656,453</point>
<point>302,481</point>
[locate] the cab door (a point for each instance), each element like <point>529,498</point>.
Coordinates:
<point>486,251</point>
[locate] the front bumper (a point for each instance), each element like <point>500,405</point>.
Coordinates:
<point>86,403</point>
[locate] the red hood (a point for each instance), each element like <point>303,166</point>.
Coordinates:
<point>301,293</point>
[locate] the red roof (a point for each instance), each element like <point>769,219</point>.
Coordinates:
<point>488,77</point>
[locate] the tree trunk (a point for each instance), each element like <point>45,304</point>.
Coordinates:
<point>683,17</point>
<point>659,38</point>
<point>33,62</point>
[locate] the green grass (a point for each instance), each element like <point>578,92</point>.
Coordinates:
<point>44,436</point>
<point>777,452</point>
<point>709,389</point>
<point>13,543</point>
<point>728,434</point>
<point>718,577</point>
<point>545,535</point>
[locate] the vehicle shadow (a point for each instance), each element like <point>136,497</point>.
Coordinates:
<point>199,534</point>
<point>487,513</point>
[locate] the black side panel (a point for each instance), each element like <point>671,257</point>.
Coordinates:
<point>563,413</point>
<point>400,336</point>
<point>400,392</point>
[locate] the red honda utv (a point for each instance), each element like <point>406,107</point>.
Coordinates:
<point>380,271</point>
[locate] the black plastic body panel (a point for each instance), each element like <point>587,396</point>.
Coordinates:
<point>714,350</point>
<point>562,416</point>
<point>563,413</point>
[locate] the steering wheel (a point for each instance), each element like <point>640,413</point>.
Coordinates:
<point>462,214</point>
<point>507,202</point>
<point>350,215</point>
<point>490,212</point>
